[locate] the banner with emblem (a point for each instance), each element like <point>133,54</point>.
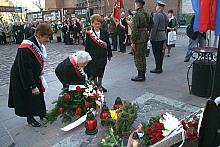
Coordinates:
<point>117,11</point>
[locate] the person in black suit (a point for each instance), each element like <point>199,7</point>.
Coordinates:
<point>27,83</point>
<point>98,46</point>
<point>123,33</point>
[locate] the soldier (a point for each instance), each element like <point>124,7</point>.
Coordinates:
<point>139,39</point>
<point>122,32</point>
<point>158,35</point>
<point>113,33</point>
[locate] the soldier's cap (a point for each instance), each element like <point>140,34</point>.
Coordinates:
<point>160,3</point>
<point>140,1</point>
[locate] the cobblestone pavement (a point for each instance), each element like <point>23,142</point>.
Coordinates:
<point>56,53</point>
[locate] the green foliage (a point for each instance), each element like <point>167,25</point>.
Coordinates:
<point>73,103</point>
<point>112,140</point>
<point>122,126</point>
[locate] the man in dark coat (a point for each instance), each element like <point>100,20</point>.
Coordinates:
<point>26,79</point>
<point>122,32</point>
<point>70,71</point>
<point>98,46</point>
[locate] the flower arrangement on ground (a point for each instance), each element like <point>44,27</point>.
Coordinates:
<point>155,130</point>
<point>76,101</point>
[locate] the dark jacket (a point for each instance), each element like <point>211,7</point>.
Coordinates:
<point>99,55</point>
<point>25,73</point>
<point>123,31</point>
<point>66,73</point>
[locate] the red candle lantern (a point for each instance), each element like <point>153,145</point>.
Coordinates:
<point>118,103</point>
<point>104,114</point>
<point>91,124</point>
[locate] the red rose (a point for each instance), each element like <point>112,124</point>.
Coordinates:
<point>78,111</point>
<point>195,124</point>
<point>190,124</point>
<point>161,126</point>
<point>153,141</point>
<point>60,110</point>
<point>87,104</point>
<point>184,125</point>
<point>149,131</point>
<point>159,136</point>
<point>78,88</point>
<point>189,135</point>
<point>67,97</point>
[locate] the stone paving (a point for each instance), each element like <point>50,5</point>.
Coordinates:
<point>171,84</point>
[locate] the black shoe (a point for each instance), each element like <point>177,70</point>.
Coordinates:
<point>131,53</point>
<point>186,60</point>
<point>104,89</point>
<point>138,79</point>
<point>33,122</point>
<point>156,71</point>
<point>119,51</point>
<point>123,51</point>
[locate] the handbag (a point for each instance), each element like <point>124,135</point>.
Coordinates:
<point>171,39</point>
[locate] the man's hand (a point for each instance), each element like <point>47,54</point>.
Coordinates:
<point>35,91</point>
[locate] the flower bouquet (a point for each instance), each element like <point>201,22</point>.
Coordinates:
<point>157,129</point>
<point>76,101</point>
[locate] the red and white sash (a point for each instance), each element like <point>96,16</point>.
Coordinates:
<point>96,39</point>
<point>75,66</point>
<point>39,55</point>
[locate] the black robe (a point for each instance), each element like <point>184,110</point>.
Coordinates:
<point>67,75</point>
<point>25,73</point>
<point>99,55</point>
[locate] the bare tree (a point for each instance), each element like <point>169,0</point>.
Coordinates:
<point>38,4</point>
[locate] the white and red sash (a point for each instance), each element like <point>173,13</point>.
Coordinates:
<point>121,25</point>
<point>96,39</point>
<point>34,49</point>
<point>39,55</point>
<point>75,66</point>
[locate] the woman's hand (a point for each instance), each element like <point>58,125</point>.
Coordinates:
<point>35,91</point>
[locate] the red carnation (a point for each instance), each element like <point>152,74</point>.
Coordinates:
<point>78,111</point>
<point>184,125</point>
<point>195,124</point>
<point>78,88</point>
<point>67,97</point>
<point>190,124</point>
<point>97,107</point>
<point>60,110</point>
<point>87,104</point>
<point>195,117</point>
<point>160,126</point>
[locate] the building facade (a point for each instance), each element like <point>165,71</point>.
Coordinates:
<point>106,6</point>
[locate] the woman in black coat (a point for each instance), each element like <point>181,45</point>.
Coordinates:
<point>98,46</point>
<point>26,79</point>
<point>70,71</point>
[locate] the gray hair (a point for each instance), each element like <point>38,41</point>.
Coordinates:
<point>82,57</point>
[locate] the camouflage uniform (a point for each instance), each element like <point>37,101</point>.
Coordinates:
<point>139,37</point>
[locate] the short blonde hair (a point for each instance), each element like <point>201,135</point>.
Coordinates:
<point>96,17</point>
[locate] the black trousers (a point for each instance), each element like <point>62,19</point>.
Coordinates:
<point>157,47</point>
<point>121,42</point>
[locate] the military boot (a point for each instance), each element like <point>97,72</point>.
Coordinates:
<point>139,77</point>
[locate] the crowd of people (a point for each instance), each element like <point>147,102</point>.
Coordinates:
<point>27,83</point>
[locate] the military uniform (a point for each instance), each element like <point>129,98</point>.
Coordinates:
<point>158,37</point>
<point>139,37</point>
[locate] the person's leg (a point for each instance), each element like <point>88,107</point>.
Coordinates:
<point>140,61</point>
<point>121,43</point>
<point>160,54</point>
<point>157,47</point>
<point>168,52</point>
<point>192,43</point>
<point>33,122</point>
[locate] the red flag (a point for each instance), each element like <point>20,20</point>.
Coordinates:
<point>207,15</point>
<point>117,11</point>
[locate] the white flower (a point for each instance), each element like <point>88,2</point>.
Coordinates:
<point>98,103</point>
<point>170,123</point>
<point>87,90</point>
<point>85,94</point>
